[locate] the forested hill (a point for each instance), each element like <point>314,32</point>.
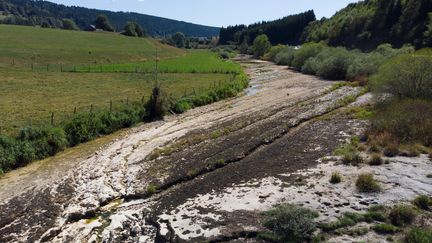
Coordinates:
<point>287,30</point>
<point>28,12</point>
<point>367,24</point>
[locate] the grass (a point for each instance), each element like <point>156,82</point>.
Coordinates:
<point>419,235</point>
<point>385,229</point>
<point>26,45</point>
<point>376,160</point>
<point>423,202</point>
<point>336,178</point>
<point>367,184</point>
<point>402,215</point>
<point>192,62</point>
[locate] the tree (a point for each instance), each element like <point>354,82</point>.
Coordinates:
<point>45,25</point>
<point>134,29</point>
<point>261,45</point>
<point>141,32</point>
<point>69,24</point>
<point>130,29</point>
<point>179,39</point>
<point>103,23</point>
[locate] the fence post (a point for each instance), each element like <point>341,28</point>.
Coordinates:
<point>13,61</point>
<point>91,108</point>
<point>52,118</point>
<point>75,110</point>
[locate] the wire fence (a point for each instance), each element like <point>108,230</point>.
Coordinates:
<point>58,117</point>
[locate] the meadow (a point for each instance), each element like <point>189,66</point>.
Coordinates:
<point>30,97</point>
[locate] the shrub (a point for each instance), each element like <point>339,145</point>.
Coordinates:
<point>366,183</point>
<point>376,160</point>
<point>311,66</point>
<point>385,229</point>
<point>82,128</point>
<point>407,76</point>
<point>364,65</point>
<point>261,45</point>
<point>418,235</point>
<point>39,143</point>
<point>423,202</point>
<point>285,56</point>
<point>407,120</point>
<point>391,150</point>
<point>306,51</point>
<point>157,105</point>
<point>401,215</point>
<point>151,189</point>
<point>352,159</point>
<point>273,52</point>
<point>291,222</point>
<point>334,65</point>
<point>335,178</point>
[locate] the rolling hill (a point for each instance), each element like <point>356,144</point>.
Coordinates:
<point>28,12</point>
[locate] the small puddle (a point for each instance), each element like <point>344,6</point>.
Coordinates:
<point>253,89</point>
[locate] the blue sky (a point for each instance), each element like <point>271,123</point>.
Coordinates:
<point>216,12</point>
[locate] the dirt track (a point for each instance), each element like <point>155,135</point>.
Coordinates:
<point>218,167</point>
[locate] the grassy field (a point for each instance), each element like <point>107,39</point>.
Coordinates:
<point>21,46</point>
<point>192,62</point>
<point>29,97</point>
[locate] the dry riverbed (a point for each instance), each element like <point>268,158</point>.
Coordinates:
<point>207,175</point>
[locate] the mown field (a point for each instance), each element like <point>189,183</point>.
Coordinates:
<point>29,97</point>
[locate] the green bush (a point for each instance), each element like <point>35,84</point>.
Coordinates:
<point>366,183</point>
<point>401,215</point>
<point>273,52</point>
<point>285,56</point>
<point>423,202</point>
<point>82,128</point>
<point>305,52</point>
<point>291,222</point>
<point>334,64</point>
<point>418,235</point>
<point>42,142</point>
<point>407,76</point>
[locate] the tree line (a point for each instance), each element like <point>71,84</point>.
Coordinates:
<point>287,30</point>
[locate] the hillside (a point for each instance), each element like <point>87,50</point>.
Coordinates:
<point>287,30</point>
<point>367,24</point>
<point>28,12</point>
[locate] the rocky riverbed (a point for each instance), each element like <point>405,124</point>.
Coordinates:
<point>207,175</point>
